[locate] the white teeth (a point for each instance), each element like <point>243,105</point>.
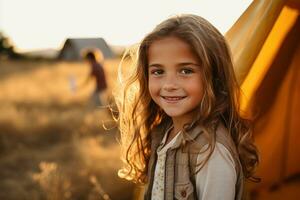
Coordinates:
<point>173,98</point>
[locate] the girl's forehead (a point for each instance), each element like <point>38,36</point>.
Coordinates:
<point>171,49</point>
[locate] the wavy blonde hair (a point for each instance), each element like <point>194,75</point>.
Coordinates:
<point>138,114</point>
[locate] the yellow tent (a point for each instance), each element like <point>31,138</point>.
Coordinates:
<point>266,51</point>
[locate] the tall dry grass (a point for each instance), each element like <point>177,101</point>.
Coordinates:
<point>52,143</point>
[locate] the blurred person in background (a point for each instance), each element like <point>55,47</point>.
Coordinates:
<point>95,61</point>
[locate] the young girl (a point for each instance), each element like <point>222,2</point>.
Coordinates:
<point>180,123</point>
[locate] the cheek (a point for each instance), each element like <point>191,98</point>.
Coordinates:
<point>196,91</point>
<point>196,88</point>
<point>153,88</point>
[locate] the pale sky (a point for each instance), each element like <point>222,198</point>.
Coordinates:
<point>39,24</point>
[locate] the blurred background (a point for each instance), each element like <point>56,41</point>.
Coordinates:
<point>56,144</point>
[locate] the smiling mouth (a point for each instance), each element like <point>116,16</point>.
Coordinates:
<point>173,98</point>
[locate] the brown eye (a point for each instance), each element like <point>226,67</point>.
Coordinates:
<point>156,72</point>
<point>186,71</point>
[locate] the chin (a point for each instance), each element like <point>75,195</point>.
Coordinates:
<point>174,114</point>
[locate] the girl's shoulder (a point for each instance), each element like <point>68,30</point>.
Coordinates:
<point>220,154</point>
<point>200,137</point>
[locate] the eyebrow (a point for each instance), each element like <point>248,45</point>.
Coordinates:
<point>178,65</point>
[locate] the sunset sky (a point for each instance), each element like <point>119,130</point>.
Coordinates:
<point>39,24</point>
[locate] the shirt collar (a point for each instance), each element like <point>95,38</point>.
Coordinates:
<point>189,135</point>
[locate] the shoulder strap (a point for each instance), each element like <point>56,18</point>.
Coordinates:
<point>193,152</point>
<point>192,167</point>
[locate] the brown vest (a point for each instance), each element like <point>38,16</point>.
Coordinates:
<point>181,163</point>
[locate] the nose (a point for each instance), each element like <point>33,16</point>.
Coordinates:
<point>170,83</point>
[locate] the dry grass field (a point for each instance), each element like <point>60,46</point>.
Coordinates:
<point>52,143</point>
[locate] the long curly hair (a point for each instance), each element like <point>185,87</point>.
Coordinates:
<point>139,115</point>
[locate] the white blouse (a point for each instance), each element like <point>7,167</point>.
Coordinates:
<point>216,180</point>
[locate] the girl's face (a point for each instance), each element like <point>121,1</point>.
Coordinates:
<point>175,78</point>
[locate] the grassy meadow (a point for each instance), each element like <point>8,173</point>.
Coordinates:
<point>53,144</point>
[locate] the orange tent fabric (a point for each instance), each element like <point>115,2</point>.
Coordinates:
<point>267,65</point>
